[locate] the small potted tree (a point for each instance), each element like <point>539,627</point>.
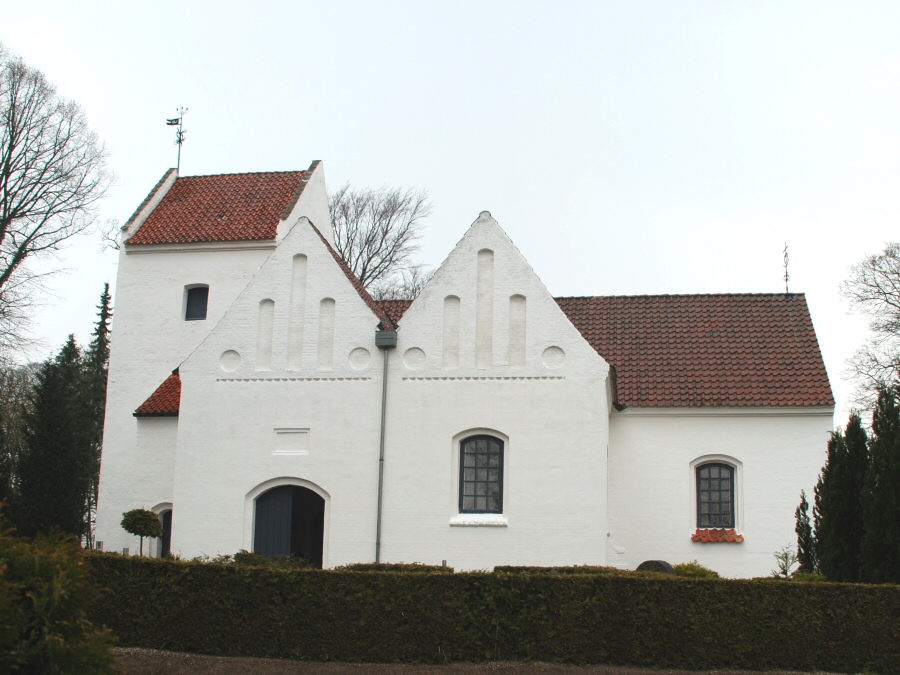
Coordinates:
<point>142,523</point>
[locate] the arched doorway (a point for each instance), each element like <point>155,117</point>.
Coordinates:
<point>290,520</point>
<point>165,543</point>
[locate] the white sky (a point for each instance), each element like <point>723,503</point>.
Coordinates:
<point>626,147</point>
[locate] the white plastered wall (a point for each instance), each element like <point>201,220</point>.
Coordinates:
<point>551,411</point>
<point>233,407</point>
<point>150,338</point>
<point>652,495</point>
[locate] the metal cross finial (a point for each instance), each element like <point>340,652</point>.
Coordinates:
<point>180,134</point>
<point>786,275</point>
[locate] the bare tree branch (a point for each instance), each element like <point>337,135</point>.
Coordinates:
<point>406,285</point>
<point>53,173</point>
<point>376,233</point>
<point>874,290</point>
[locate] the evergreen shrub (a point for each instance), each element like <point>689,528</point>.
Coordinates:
<point>695,570</point>
<point>45,593</point>
<point>613,617</point>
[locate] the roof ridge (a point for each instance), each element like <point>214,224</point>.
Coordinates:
<point>243,173</point>
<point>679,295</point>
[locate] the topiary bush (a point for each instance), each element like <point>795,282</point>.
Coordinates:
<point>694,570</point>
<point>142,523</point>
<point>45,594</point>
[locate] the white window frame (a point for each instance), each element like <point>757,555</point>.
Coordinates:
<point>738,468</point>
<point>458,519</point>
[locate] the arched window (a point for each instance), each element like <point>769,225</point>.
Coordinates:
<point>481,475</point>
<point>715,495</point>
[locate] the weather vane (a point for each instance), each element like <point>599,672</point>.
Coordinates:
<point>786,275</point>
<point>179,135</point>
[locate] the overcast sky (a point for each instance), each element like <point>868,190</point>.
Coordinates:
<point>625,147</point>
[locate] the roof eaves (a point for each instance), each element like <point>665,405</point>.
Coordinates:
<point>157,404</point>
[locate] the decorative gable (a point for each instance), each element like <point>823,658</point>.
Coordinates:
<point>303,315</point>
<point>485,313</point>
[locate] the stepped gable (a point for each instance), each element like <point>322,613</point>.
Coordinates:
<point>706,350</point>
<point>223,207</point>
<point>165,401</point>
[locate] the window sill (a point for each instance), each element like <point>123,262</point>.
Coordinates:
<point>479,520</point>
<point>717,536</point>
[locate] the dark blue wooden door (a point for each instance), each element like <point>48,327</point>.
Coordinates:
<point>166,543</point>
<point>273,522</point>
<point>290,520</point>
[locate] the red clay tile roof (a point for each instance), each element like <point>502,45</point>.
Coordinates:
<point>701,350</point>
<point>394,308</point>
<point>706,350</point>
<point>225,207</point>
<point>717,536</point>
<point>165,401</point>
<point>386,321</point>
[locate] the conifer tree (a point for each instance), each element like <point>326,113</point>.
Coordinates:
<point>838,504</point>
<point>881,496</point>
<point>855,468</point>
<point>827,497</point>
<point>806,543</point>
<point>96,366</point>
<point>53,472</point>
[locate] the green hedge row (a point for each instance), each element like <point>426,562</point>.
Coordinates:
<point>646,620</point>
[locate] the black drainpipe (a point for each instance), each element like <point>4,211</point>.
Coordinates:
<point>385,340</point>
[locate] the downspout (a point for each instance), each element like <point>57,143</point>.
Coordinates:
<point>385,340</point>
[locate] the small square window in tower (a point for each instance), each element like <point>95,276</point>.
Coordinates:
<point>195,307</point>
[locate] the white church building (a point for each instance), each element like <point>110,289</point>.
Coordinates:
<point>260,399</point>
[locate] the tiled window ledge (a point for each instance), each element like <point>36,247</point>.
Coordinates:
<point>479,520</point>
<point>717,536</point>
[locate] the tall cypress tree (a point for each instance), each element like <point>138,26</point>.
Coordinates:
<point>838,504</point>
<point>855,469</point>
<point>827,497</point>
<point>806,543</point>
<point>53,472</point>
<point>881,496</point>
<point>96,367</point>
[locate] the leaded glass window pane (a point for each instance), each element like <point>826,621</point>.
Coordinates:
<point>481,475</point>
<point>715,496</point>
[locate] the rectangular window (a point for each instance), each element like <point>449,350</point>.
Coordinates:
<point>481,475</point>
<point>715,496</point>
<point>197,299</point>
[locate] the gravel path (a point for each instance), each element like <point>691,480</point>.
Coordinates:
<point>132,661</point>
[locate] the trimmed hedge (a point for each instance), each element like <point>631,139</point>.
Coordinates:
<point>659,621</point>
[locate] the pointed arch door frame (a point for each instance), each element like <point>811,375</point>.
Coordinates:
<point>250,509</point>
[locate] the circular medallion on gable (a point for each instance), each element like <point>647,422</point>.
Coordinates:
<point>553,357</point>
<point>359,358</point>
<point>229,361</point>
<point>414,358</point>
